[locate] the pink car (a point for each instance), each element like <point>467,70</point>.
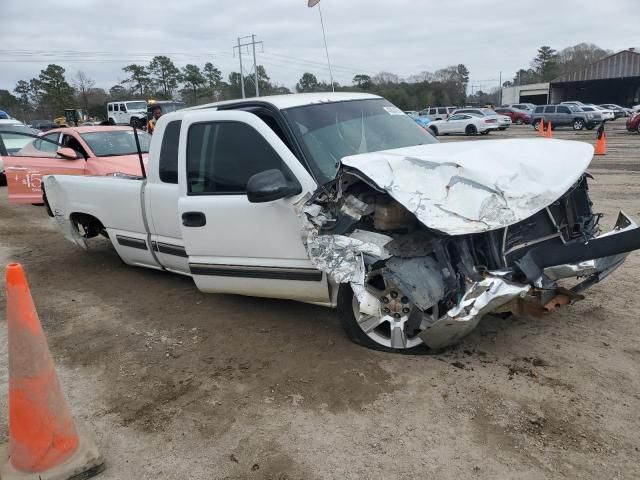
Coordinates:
<point>95,150</point>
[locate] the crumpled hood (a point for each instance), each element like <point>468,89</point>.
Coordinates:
<point>476,186</point>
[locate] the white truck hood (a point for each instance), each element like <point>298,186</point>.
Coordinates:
<point>471,187</point>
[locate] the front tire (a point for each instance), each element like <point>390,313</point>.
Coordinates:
<point>471,130</point>
<point>578,124</point>
<point>519,121</point>
<point>434,131</point>
<point>374,332</point>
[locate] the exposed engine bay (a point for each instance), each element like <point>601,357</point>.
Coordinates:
<point>413,284</point>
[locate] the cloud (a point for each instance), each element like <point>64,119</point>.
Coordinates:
<point>404,37</point>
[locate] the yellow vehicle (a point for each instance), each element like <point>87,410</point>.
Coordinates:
<point>73,117</point>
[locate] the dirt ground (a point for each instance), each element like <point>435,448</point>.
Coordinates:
<point>177,384</point>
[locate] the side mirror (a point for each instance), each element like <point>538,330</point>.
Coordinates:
<point>68,153</point>
<point>270,185</point>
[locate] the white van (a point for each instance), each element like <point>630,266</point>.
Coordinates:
<point>132,113</point>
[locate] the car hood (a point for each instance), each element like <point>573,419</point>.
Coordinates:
<point>472,187</point>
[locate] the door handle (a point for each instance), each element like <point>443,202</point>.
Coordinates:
<point>194,219</point>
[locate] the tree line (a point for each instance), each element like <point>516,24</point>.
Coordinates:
<point>549,63</point>
<point>48,94</point>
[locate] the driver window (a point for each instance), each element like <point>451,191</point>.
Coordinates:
<point>222,156</point>
<point>123,108</point>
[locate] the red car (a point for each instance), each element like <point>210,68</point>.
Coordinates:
<point>633,123</point>
<point>519,117</point>
<point>69,151</point>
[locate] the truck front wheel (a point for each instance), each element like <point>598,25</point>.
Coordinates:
<point>396,327</point>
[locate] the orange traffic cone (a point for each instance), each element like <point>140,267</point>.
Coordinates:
<point>601,144</point>
<point>541,128</point>
<point>43,440</point>
<point>549,135</point>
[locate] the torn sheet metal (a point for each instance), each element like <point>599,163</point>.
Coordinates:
<point>471,187</point>
<point>341,257</point>
<point>480,298</point>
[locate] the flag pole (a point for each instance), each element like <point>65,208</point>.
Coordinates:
<point>326,49</point>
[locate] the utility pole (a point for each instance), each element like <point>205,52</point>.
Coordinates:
<point>253,43</point>
<point>500,104</point>
<point>241,72</point>
<point>255,68</point>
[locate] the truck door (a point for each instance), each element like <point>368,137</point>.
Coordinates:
<point>235,246</point>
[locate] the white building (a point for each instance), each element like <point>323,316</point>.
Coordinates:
<point>536,93</point>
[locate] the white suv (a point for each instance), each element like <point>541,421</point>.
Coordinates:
<point>132,113</point>
<point>437,113</point>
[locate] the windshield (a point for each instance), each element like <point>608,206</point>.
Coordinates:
<point>116,142</point>
<point>331,131</point>
<point>136,105</point>
<point>574,109</point>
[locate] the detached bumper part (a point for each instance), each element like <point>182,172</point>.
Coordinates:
<point>493,292</point>
<point>597,258</point>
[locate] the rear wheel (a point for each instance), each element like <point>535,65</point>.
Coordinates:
<point>638,128</point>
<point>519,121</point>
<point>394,329</point>
<point>470,130</point>
<point>578,124</point>
<point>112,121</point>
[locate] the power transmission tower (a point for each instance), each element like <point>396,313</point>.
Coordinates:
<point>253,43</point>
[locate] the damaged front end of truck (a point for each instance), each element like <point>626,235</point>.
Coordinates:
<point>424,241</point>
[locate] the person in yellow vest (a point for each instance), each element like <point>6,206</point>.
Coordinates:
<point>156,113</point>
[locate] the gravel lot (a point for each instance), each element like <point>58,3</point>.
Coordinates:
<point>177,384</point>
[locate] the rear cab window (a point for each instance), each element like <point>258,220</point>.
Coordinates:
<point>168,163</point>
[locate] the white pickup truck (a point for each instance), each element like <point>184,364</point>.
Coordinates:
<point>342,200</point>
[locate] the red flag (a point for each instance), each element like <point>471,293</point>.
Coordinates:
<point>312,3</point>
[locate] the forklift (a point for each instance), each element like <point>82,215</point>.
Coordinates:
<point>73,117</point>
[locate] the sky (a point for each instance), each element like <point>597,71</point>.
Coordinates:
<point>401,36</point>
